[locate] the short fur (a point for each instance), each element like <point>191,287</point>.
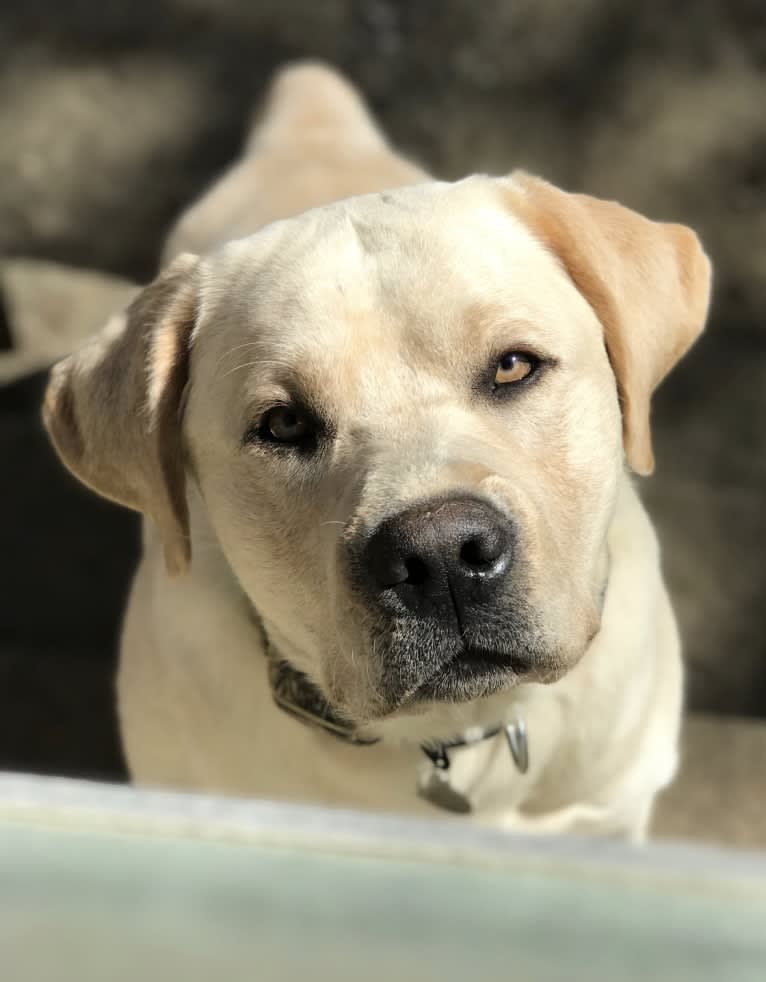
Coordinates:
<point>384,312</point>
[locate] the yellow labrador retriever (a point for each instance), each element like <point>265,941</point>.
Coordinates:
<point>381,428</point>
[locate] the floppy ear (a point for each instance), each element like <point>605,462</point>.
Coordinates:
<point>648,283</point>
<point>113,408</point>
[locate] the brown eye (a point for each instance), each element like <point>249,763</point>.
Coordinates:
<point>514,367</point>
<point>285,424</point>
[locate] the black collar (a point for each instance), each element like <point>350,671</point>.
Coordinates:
<point>294,692</point>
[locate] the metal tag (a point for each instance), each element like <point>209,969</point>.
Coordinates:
<point>436,789</point>
<point>516,735</point>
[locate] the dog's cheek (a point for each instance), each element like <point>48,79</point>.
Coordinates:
<point>268,539</point>
<point>349,671</point>
<point>562,504</point>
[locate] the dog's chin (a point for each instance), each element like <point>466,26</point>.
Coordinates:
<point>426,665</point>
<point>478,674</point>
<point>468,676</point>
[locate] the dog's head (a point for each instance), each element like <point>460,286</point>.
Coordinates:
<point>407,415</point>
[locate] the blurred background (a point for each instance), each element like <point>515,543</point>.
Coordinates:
<point>114,115</point>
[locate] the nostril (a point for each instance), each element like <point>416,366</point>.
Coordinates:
<point>417,571</point>
<point>481,551</point>
<point>395,571</point>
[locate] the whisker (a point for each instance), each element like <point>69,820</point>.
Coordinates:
<point>237,347</point>
<point>278,364</point>
<point>247,364</point>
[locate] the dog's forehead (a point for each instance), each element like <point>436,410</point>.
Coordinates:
<point>419,246</point>
<point>411,275</point>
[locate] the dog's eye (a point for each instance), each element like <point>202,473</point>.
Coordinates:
<point>514,367</point>
<point>286,424</point>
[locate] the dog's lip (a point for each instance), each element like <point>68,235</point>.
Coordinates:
<point>497,669</point>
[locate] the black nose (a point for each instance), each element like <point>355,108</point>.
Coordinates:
<point>441,557</point>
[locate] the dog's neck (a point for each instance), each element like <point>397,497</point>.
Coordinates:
<point>297,695</point>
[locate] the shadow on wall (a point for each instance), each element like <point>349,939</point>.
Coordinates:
<point>67,561</point>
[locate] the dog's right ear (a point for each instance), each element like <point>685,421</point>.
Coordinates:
<point>647,282</point>
<point>113,409</point>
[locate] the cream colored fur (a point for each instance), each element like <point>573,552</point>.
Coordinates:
<point>385,306</point>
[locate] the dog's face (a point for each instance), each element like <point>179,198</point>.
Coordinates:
<point>405,428</point>
<point>404,422</point>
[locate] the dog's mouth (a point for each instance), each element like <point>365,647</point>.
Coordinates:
<point>418,664</point>
<point>472,673</point>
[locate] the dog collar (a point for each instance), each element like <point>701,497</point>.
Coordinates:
<point>298,696</point>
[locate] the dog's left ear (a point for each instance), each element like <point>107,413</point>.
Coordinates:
<point>113,408</point>
<point>648,283</point>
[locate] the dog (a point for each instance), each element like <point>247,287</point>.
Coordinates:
<point>383,431</point>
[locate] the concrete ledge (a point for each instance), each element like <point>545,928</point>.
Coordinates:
<point>113,883</point>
